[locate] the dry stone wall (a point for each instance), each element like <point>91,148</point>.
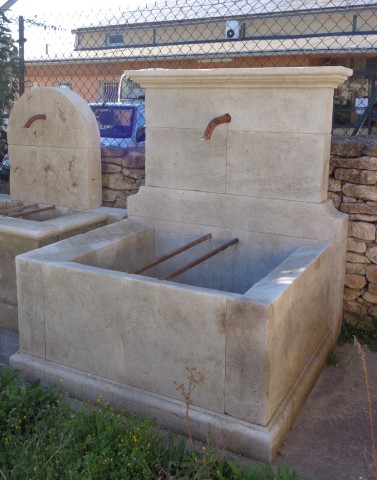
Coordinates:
<point>123,173</point>
<point>353,190</point>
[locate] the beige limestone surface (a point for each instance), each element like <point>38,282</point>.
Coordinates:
<point>260,319</point>
<point>272,125</point>
<point>19,235</point>
<point>55,160</point>
<point>148,340</point>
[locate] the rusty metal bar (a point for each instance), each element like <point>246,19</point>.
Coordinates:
<point>31,212</point>
<point>39,116</point>
<point>226,118</point>
<point>174,253</point>
<point>19,208</point>
<point>199,260</point>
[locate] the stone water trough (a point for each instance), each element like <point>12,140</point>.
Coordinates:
<point>55,182</point>
<point>231,262</point>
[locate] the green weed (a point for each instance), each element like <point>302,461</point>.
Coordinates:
<point>366,337</point>
<point>41,438</point>
<point>334,358</point>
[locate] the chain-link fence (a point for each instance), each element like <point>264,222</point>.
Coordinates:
<point>88,52</point>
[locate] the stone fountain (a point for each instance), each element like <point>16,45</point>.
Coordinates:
<point>231,262</point>
<point>55,181</point>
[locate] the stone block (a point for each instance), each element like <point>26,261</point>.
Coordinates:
<point>245,397</point>
<point>120,203</point>
<point>354,281</point>
<point>108,195</point>
<point>356,268</point>
<point>70,122</point>
<point>358,208</point>
<point>110,168</point>
<point>118,182</point>
<point>360,163</point>
<point>354,245</point>
<point>113,152</point>
<point>135,173</point>
<point>74,173</point>
<point>351,306</point>
<point>351,175</point>
<point>370,297</point>
<point>267,116</point>
<point>61,150</point>
<point>362,230</point>
<point>336,199</point>
<point>372,288</point>
<point>363,192</point>
<point>301,220</point>
<point>179,158</point>
<point>106,179</point>
<point>356,258</point>
<point>351,294</point>
<point>135,158</point>
<point>335,185</point>
<point>252,156</point>
<point>112,160</point>
<point>371,254</point>
<point>371,273</point>
<point>31,323</point>
<point>371,150</point>
<point>282,288</point>
<point>359,217</point>
<point>147,354</point>
<point>346,146</point>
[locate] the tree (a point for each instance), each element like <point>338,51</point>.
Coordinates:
<point>9,72</point>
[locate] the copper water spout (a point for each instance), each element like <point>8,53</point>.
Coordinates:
<point>39,116</point>
<point>226,118</point>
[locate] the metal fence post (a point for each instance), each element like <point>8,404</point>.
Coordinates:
<point>21,42</point>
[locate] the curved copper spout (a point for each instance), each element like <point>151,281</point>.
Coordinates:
<point>39,116</point>
<point>226,118</point>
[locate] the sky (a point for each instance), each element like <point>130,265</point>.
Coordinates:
<point>48,23</point>
<point>41,7</point>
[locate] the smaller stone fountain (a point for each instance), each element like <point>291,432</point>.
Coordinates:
<point>55,182</point>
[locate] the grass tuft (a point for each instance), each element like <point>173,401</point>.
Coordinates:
<point>366,337</point>
<point>41,438</point>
